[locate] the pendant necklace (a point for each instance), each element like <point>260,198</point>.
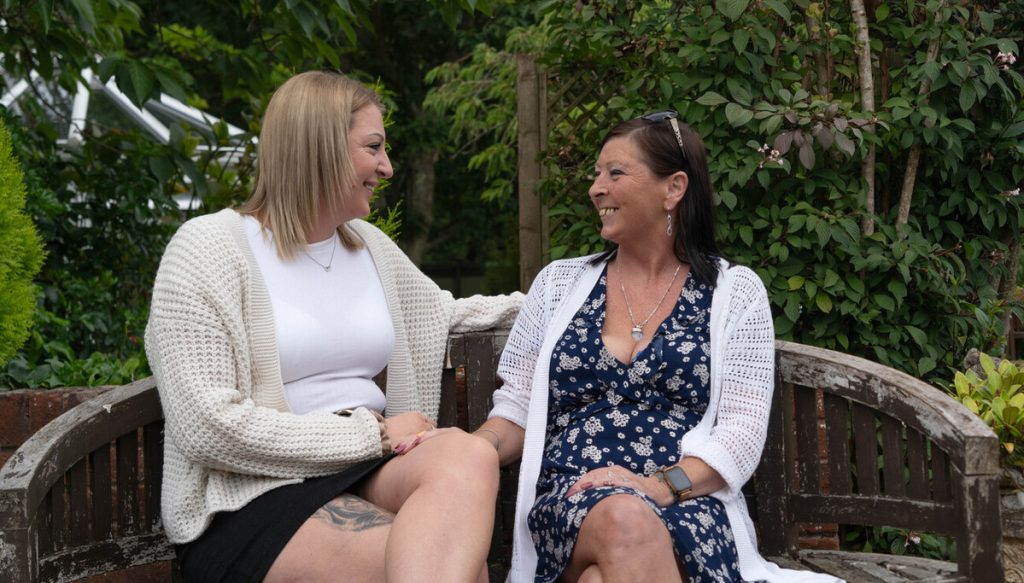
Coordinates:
<point>327,267</point>
<point>638,329</point>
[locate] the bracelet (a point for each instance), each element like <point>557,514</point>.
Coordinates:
<point>497,439</point>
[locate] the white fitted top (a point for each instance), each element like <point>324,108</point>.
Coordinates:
<point>334,331</point>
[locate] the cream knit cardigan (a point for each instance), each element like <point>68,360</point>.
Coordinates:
<point>729,437</point>
<point>229,435</point>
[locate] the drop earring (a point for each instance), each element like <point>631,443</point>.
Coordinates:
<point>668,227</point>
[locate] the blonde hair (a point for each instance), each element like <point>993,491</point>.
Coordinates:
<point>303,156</point>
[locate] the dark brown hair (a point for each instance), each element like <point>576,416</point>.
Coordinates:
<point>694,241</point>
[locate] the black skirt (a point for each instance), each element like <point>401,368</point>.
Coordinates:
<point>241,546</point>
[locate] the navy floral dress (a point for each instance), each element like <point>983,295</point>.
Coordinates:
<point>603,412</point>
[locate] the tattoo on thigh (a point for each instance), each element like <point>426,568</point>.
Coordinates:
<point>354,514</point>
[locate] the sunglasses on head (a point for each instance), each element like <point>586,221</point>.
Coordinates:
<point>671,115</point>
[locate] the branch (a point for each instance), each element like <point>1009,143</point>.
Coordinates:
<point>914,158</point>
<point>1008,287</point>
<point>821,69</point>
<point>867,97</point>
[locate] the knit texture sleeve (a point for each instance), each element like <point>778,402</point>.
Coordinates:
<point>747,370</point>
<point>199,346</point>
<point>485,312</point>
<point>519,359</point>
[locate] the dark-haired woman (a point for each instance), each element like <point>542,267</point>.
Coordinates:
<point>643,378</point>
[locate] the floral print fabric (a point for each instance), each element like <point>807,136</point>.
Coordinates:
<point>604,412</point>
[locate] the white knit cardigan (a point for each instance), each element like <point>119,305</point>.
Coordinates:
<point>729,437</point>
<point>229,435</point>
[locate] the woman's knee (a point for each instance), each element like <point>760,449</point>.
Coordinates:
<point>624,521</point>
<point>463,458</point>
<point>468,455</point>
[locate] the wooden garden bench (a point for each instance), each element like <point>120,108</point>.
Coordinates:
<point>850,442</point>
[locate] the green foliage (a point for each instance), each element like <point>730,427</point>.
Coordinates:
<point>21,254</point>
<point>105,209</point>
<point>105,220</point>
<point>479,97</point>
<point>899,541</point>
<point>998,398</point>
<point>773,89</point>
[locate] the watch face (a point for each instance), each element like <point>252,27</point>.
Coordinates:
<point>678,479</point>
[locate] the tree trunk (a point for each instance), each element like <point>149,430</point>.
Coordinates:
<point>867,97</point>
<point>1008,287</point>
<point>914,158</point>
<point>419,214</point>
<point>821,69</point>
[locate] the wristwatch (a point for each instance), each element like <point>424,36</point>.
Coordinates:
<point>677,481</point>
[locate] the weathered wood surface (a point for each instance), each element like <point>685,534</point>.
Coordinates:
<point>68,509</point>
<point>81,496</point>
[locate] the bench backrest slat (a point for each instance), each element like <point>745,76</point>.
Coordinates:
<point>837,434</point>
<point>102,504</point>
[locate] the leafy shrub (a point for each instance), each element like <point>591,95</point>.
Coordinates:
<point>21,254</point>
<point>774,90</point>
<point>898,541</point>
<point>105,219</point>
<point>998,398</point>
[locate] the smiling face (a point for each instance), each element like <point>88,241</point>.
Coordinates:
<point>631,200</point>
<point>370,162</point>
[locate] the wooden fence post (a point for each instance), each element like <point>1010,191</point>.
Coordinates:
<point>531,93</point>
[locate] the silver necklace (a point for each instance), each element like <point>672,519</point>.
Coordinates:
<point>327,267</point>
<point>638,329</point>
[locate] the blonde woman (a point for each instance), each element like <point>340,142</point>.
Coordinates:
<point>283,459</point>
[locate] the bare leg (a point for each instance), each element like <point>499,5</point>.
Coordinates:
<point>344,539</point>
<point>623,540</point>
<point>443,495</point>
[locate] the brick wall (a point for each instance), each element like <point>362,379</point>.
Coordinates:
<point>25,411</point>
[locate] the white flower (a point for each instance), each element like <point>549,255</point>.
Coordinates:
<point>619,419</point>
<point>1004,60</point>
<point>569,363</point>
<point>642,447</point>
<point>701,370</point>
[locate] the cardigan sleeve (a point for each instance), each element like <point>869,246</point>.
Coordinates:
<point>747,370</point>
<point>481,312</point>
<point>197,343</point>
<point>519,358</point>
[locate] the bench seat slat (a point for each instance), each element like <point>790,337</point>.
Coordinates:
<point>865,567</point>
